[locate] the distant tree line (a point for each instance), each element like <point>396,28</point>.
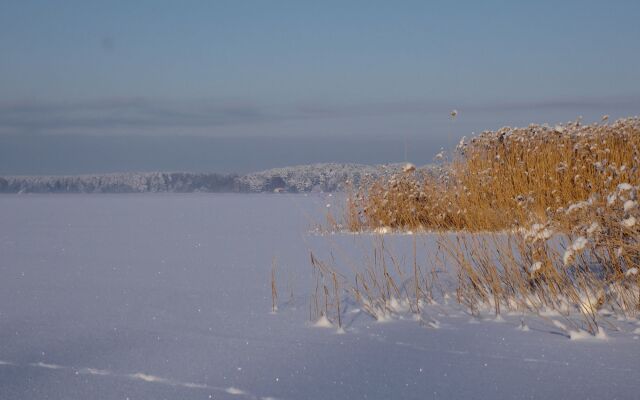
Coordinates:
<point>328,177</point>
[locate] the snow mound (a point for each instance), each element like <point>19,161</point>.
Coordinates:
<point>148,378</point>
<point>47,366</point>
<point>584,335</point>
<point>323,322</point>
<point>234,391</point>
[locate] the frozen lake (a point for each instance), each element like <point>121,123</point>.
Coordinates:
<point>166,296</point>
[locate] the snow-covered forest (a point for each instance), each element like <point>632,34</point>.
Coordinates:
<point>328,177</point>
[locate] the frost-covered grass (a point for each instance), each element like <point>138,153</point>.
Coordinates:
<point>483,275</point>
<point>556,207</point>
<point>505,178</point>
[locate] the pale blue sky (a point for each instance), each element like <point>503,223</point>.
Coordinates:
<point>305,70</point>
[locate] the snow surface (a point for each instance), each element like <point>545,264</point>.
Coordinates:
<point>167,296</point>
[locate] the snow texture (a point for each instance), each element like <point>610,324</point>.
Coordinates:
<point>167,296</point>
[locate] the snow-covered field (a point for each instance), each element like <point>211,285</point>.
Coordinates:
<point>166,296</point>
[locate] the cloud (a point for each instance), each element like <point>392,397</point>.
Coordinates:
<point>128,113</point>
<point>145,115</point>
<point>442,107</point>
<point>586,103</point>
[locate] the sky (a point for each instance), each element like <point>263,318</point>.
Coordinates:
<point>238,85</point>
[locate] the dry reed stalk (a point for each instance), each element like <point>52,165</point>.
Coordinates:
<point>382,288</point>
<point>416,279</point>
<point>336,294</point>
<point>504,179</point>
<point>572,185</point>
<point>274,289</point>
<point>324,273</point>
